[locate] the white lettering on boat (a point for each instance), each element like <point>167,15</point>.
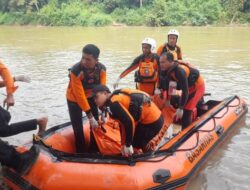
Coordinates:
<point>204,142</point>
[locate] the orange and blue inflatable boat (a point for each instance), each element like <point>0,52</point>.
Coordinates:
<point>169,167</point>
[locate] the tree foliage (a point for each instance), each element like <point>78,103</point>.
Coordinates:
<point>130,12</point>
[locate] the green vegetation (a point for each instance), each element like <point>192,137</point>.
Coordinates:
<point>129,12</point>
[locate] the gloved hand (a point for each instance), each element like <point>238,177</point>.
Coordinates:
<point>93,123</point>
<point>167,103</point>
<point>157,91</point>
<point>115,85</point>
<point>127,151</point>
<point>104,119</point>
<point>22,78</point>
<point>179,114</point>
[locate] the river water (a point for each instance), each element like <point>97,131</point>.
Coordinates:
<point>221,53</point>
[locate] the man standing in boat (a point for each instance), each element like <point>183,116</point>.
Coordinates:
<point>84,76</point>
<point>182,76</point>
<point>21,162</point>
<point>146,77</point>
<point>171,45</point>
<point>141,122</point>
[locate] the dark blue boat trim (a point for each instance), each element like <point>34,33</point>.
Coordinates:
<point>18,180</point>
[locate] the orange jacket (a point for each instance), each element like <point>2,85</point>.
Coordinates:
<point>187,77</point>
<point>7,78</point>
<point>166,48</point>
<point>137,63</point>
<point>121,110</point>
<point>82,81</point>
<point>188,69</point>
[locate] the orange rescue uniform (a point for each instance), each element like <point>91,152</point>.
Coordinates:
<point>7,78</point>
<point>146,77</point>
<point>176,51</point>
<point>82,81</point>
<point>140,119</point>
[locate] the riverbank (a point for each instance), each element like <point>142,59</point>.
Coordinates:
<point>27,20</point>
<point>155,13</point>
<point>122,25</point>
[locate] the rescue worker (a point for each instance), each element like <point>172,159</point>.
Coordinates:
<point>182,76</point>
<point>141,122</point>
<point>84,76</point>
<point>146,77</point>
<point>21,162</point>
<point>171,45</point>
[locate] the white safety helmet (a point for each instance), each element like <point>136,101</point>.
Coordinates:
<point>151,42</point>
<point>174,32</point>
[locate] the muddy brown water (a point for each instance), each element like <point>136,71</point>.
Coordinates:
<point>221,53</point>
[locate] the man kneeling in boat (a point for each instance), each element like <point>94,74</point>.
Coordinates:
<point>141,122</point>
<point>182,76</point>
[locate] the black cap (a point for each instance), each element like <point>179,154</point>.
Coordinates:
<point>99,88</point>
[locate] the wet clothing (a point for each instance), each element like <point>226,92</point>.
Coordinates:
<point>7,130</point>
<point>176,51</point>
<point>8,154</point>
<point>190,82</point>
<point>146,132</point>
<point>79,99</point>
<point>146,77</point>
<point>140,120</point>
<point>75,113</point>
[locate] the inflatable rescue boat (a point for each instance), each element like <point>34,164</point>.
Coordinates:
<point>169,167</point>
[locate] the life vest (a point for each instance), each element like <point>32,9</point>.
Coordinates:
<point>191,72</point>
<point>192,76</point>
<point>137,100</point>
<point>89,78</point>
<point>165,49</point>
<point>147,72</point>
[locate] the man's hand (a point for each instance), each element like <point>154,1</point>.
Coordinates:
<point>22,78</point>
<point>104,119</point>
<point>127,151</point>
<point>93,123</point>
<point>179,114</point>
<point>9,101</point>
<point>157,91</point>
<point>115,85</point>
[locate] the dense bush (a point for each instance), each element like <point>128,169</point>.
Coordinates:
<point>104,12</point>
<point>184,12</point>
<point>130,17</point>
